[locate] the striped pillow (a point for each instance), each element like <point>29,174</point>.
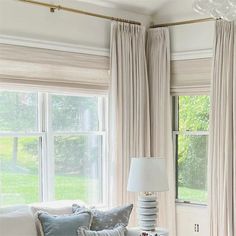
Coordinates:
<point>117,231</point>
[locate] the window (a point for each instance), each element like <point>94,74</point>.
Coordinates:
<point>52,146</point>
<point>191,139</point>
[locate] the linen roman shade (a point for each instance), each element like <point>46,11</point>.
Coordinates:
<point>50,68</point>
<point>191,76</point>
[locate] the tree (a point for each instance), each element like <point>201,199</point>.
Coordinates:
<point>18,112</point>
<point>192,161</point>
<point>75,154</point>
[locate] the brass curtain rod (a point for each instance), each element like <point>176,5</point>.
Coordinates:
<point>182,22</point>
<point>54,7</point>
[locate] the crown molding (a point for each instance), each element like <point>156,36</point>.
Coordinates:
<point>191,55</point>
<point>51,45</point>
<point>66,47</point>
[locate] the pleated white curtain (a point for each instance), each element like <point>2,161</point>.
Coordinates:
<point>129,106</point>
<point>158,61</point>
<point>222,139</point>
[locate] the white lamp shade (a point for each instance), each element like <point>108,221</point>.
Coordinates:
<point>147,174</point>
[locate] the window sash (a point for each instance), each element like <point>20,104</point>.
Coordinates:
<point>175,133</point>
<point>175,146</point>
<point>192,133</point>
<point>46,135</point>
<point>101,171</point>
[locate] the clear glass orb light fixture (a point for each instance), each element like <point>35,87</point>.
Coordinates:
<point>224,9</point>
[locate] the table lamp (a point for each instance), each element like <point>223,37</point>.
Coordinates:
<point>147,176</point>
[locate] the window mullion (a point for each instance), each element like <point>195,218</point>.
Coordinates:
<point>40,112</point>
<point>43,162</point>
<point>105,167</point>
<point>41,146</point>
<point>50,151</point>
<point>192,133</point>
<point>100,114</point>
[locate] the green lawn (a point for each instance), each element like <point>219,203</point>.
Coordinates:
<point>19,182</point>
<point>27,152</point>
<point>193,195</point>
<point>23,188</point>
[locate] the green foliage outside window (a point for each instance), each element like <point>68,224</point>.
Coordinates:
<point>18,111</point>
<point>71,113</point>
<point>193,114</point>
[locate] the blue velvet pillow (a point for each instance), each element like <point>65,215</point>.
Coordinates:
<point>64,225</point>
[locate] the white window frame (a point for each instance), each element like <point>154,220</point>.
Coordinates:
<point>46,134</point>
<point>175,133</point>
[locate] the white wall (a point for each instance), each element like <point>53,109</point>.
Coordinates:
<point>185,37</point>
<point>193,37</point>
<point>188,216</point>
<point>26,20</point>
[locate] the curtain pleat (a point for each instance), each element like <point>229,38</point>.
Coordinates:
<point>222,138</point>
<point>158,61</point>
<point>129,106</point>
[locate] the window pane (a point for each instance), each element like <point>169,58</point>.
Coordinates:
<point>18,111</point>
<point>72,113</point>
<point>78,166</point>
<point>192,168</point>
<point>194,113</point>
<point>19,175</point>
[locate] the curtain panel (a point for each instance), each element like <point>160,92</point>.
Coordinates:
<point>129,106</point>
<point>222,138</point>
<point>158,60</point>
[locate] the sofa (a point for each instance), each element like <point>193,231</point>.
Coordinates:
<point>21,221</point>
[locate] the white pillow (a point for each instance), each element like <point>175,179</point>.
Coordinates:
<point>119,230</point>
<point>61,207</point>
<point>18,222</point>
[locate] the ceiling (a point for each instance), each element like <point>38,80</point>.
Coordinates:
<point>139,6</point>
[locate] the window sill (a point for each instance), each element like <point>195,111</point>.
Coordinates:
<point>190,204</point>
